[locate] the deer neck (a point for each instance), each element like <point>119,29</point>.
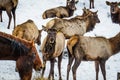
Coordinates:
<point>70,11</point>
<point>89,24</point>
<point>115,43</point>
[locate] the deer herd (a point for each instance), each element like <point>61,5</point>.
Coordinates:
<point>61,28</point>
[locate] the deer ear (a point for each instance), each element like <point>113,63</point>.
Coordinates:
<point>108,3</point>
<point>96,12</point>
<point>44,28</point>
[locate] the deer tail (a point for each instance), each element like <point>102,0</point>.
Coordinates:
<point>71,43</point>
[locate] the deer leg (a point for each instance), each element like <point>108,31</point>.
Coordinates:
<point>59,66</point>
<point>97,69</point>
<point>14,16</point>
<point>71,58</point>
<point>43,71</point>
<point>102,65</point>
<point>92,3</point>
<point>51,74</point>
<point>1,16</point>
<point>75,66</point>
<point>10,17</point>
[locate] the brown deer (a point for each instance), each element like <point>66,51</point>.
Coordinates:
<point>9,6</point>
<point>28,31</point>
<point>98,49</point>
<point>51,48</point>
<point>115,11</point>
<point>61,11</point>
<point>77,25</point>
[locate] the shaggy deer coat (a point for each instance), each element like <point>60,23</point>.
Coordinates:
<point>98,49</point>
<point>29,31</point>
<point>115,11</point>
<point>77,25</point>
<point>52,47</point>
<point>61,11</point>
<point>8,6</point>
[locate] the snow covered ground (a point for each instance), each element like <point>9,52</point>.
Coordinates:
<point>33,9</point>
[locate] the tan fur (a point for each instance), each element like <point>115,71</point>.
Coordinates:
<point>98,49</point>
<point>27,30</point>
<point>72,41</point>
<point>73,26</point>
<point>60,43</point>
<point>61,11</point>
<point>15,2</point>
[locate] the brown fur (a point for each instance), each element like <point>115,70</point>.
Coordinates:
<point>29,31</point>
<point>51,48</point>
<point>61,11</point>
<point>9,6</point>
<point>115,11</point>
<point>30,45</point>
<point>77,25</point>
<point>24,65</point>
<point>98,49</point>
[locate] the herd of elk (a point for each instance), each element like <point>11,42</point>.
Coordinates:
<point>29,31</point>
<point>10,7</point>
<point>98,49</point>
<point>76,25</point>
<point>80,48</point>
<point>61,11</point>
<point>52,47</point>
<point>115,11</point>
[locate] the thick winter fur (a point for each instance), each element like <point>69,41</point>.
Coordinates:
<point>28,31</point>
<point>25,65</point>
<point>77,25</point>
<point>9,6</point>
<point>52,49</point>
<point>115,11</point>
<point>98,49</point>
<point>61,11</point>
<point>12,48</point>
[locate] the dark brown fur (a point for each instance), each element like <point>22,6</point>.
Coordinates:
<point>24,65</point>
<point>61,11</point>
<point>12,48</point>
<point>115,11</point>
<point>78,49</point>
<point>9,6</point>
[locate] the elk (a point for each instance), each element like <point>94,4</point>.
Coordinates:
<point>51,48</point>
<point>29,31</point>
<point>77,25</point>
<point>98,49</point>
<point>9,6</point>
<point>61,11</point>
<point>115,11</point>
<point>91,3</point>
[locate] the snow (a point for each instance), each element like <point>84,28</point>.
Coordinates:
<point>33,10</point>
